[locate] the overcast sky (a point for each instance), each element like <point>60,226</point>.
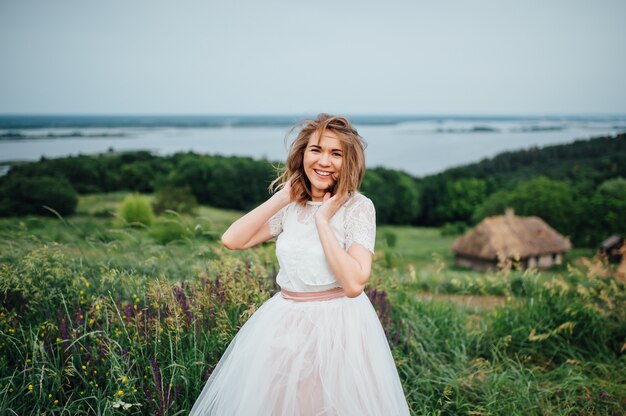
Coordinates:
<point>276,57</point>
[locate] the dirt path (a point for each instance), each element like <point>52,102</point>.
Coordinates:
<point>486,302</point>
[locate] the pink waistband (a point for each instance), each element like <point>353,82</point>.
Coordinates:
<point>335,293</point>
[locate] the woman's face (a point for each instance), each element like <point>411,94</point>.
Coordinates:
<point>322,162</point>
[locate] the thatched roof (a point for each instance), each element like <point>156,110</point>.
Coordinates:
<point>511,235</point>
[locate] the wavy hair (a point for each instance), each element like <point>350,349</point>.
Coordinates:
<point>353,163</point>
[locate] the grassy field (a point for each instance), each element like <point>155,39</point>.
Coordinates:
<point>101,318</point>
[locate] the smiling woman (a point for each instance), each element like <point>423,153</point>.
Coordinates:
<point>317,347</point>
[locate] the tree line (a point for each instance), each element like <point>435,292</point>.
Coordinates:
<point>578,188</point>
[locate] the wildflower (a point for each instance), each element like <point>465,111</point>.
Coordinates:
<point>59,339</point>
<point>11,390</point>
<point>56,401</point>
<point>134,390</point>
<point>49,395</point>
<point>87,284</point>
<point>97,307</point>
<point>95,372</point>
<point>84,367</point>
<point>91,321</point>
<point>30,387</point>
<point>120,392</point>
<point>124,379</point>
<point>82,293</point>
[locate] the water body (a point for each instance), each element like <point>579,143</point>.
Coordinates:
<point>418,145</point>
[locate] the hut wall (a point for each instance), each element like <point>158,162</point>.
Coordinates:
<point>558,258</point>
<point>545,261</point>
<point>476,264</point>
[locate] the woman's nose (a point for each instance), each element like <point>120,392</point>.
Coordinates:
<point>324,160</point>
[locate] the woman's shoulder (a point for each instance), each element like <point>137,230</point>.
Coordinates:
<point>357,198</point>
<point>359,205</point>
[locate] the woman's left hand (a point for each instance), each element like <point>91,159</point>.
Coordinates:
<point>329,207</point>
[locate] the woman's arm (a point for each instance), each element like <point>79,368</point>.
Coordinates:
<point>252,228</point>
<point>351,268</point>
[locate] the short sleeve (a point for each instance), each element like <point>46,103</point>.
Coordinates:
<point>276,222</point>
<point>360,224</point>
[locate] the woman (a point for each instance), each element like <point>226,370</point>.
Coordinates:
<point>317,347</point>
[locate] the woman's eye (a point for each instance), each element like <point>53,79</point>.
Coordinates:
<point>337,154</point>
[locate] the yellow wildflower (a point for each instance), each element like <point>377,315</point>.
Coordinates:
<point>124,379</point>
<point>30,387</point>
<point>120,392</point>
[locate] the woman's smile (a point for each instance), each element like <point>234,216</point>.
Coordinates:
<point>322,161</point>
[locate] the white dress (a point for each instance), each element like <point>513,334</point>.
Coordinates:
<point>327,357</point>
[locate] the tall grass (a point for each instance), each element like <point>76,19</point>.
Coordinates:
<point>100,320</point>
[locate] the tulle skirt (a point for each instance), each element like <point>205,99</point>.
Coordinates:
<point>326,357</point>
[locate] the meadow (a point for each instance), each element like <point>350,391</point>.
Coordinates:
<point>98,316</point>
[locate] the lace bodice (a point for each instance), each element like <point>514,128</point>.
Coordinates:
<point>303,265</point>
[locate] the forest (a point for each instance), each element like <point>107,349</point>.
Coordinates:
<point>577,188</point>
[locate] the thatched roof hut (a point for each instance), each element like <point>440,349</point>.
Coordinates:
<point>527,239</point>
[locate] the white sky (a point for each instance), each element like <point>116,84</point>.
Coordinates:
<point>277,57</point>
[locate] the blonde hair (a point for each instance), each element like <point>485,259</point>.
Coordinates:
<point>353,163</point>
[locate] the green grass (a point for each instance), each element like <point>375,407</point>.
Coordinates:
<point>148,312</point>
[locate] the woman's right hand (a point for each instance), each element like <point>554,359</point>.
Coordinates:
<point>285,192</point>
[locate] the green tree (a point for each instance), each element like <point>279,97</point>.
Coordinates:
<point>553,201</point>
<point>394,194</point>
<point>25,196</point>
<point>460,199</point>
<point>605,211</point>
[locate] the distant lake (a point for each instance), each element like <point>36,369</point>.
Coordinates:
<point>417,145</point>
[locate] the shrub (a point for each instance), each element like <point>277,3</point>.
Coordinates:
<point>135,209</point>
<point>26,196</point>
<point>169,230</point>
<point>454,228</point>
<point>390,238</point>
<point>179,199</point>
